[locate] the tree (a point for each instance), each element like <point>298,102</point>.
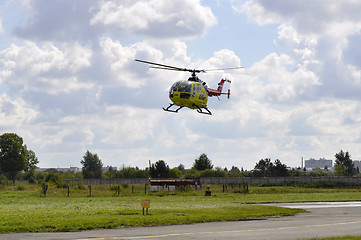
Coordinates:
<point>202,163</point>
<point>343,165</point>
<point>265,168</point>
<point>14,156</point>
<point>279,169</point>
<point>235,172</point>
<point>159,170</point>
<point>32,160</point>
<point>181,168</point>
<point>175,173</point>
<point>92,166</point>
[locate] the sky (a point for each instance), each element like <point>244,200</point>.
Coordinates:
<point>69,82</point>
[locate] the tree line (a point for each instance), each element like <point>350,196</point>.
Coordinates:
<point>17,162</point>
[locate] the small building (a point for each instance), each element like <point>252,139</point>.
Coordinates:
<point>357,165</point>
<point>107,168</point>
<point>170,185</point>
<point>322,163</point>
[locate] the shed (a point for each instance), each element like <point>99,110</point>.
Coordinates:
<point>170,185</point>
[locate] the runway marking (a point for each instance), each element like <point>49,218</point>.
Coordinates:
<point>318,205</point>
<point>219,232</point>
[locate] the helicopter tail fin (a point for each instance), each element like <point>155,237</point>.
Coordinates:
<point>218,91</point>
<point>221,83</point>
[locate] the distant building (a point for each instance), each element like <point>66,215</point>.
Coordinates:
<point>106,169</point>
<point>322,163</point>
<point>70,169</point>
<point>357,164</point>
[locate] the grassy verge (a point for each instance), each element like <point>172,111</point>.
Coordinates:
<point>25,209</point>
<point>71,214</point>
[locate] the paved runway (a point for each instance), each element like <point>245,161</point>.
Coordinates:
<point>321,220</point>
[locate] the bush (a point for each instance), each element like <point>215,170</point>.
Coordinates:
<point>3,180</point>
<point>187,188</point>
<point>80,186</point>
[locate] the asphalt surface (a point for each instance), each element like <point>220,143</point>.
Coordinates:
<point>321,220</point>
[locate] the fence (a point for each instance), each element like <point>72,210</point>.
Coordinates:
<point>282,180</point>
<point>112,181</point>
<point>233,180</point>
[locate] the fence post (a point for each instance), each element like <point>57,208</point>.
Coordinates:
<point>45,188</point>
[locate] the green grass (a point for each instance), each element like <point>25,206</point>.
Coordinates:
<point>25,209</point>
<point>70,214</point>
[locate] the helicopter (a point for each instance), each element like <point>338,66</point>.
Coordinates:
<point>192,93</point>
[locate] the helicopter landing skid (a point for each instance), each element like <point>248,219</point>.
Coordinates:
<point>171,105</point>
<point>200,110</point>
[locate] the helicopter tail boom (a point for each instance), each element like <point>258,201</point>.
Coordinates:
<point>218,91</point>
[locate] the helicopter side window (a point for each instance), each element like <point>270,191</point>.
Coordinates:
<point>198,87</point>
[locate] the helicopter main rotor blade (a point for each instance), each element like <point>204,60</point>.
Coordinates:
<point>221,69</point>
<point>168,67</point>
<point>161,65</point>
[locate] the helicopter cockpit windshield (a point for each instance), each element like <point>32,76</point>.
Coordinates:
<point>175,86</point>
<point>185,86</point>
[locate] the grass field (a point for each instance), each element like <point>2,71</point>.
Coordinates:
<point>25,209</point>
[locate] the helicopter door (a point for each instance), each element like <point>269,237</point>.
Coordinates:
<point>194,86</point>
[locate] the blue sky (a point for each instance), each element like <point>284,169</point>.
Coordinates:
<point>233,31</point>
<point>69,83</point>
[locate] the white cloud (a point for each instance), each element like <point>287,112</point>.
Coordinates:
<point>285,80</point>
<point>257,13</point>
<point>355,74</point>
<point>288,36</point>
<point>1,27</point>
<point>158,19</point>
<point>120,58</point>
<point>127,16</point>
<point>86,21</point>
<point>132,128</point>
<point>71,83</point>
<point>15,113</point>
<point>321,37</point>
<point>44,68</point>
<point>54,21</point>
<point>308,17</point>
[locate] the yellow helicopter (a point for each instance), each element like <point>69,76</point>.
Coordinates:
<point>192,93</point>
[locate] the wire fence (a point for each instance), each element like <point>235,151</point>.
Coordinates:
<point>232,180</point>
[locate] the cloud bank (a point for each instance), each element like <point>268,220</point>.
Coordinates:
<point>69,82</point>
